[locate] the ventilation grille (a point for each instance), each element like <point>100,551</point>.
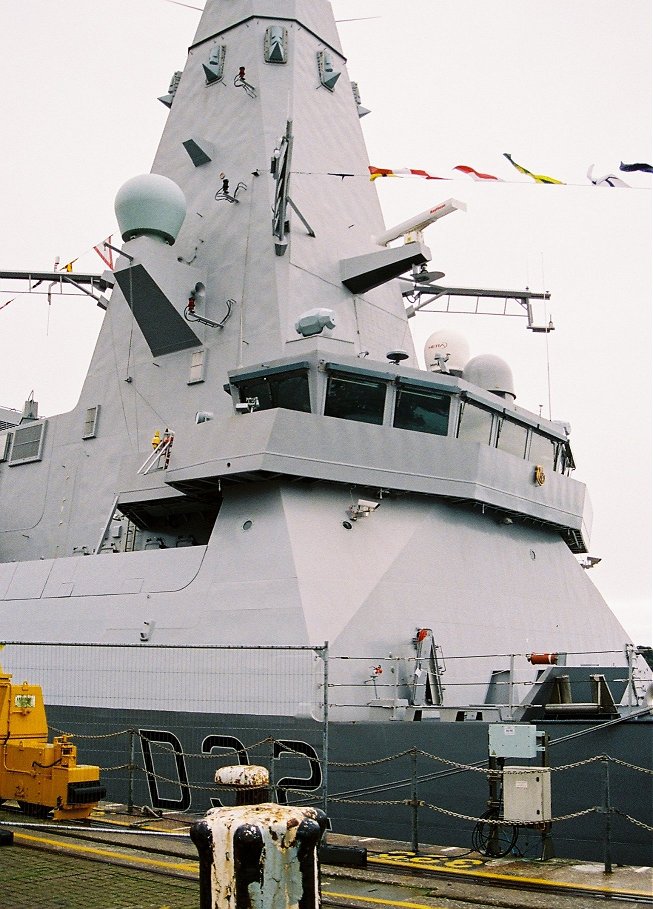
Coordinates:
<point>5,444</point>
<point>197,366</point>
<point>90,422</point>
<point>28,443</point>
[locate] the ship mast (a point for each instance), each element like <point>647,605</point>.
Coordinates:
<point>263,138</point>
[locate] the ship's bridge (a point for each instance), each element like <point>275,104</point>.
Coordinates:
<point>405,399</point>
<point>380,426</point>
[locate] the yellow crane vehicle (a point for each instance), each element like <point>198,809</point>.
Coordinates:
<point>39,775</point>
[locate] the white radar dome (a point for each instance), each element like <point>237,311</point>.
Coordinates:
<point>152,205</point>
<point>446,351</point>
<point>491,373</point>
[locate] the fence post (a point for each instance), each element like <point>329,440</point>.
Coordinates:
<point>274,795</point>
<point>413,799</point>
<point>511,683</point>
<point>630,652</point>
<point>325,731</point>
<point>495,782</point>
<point>607,808</point>
<point>130,783</point>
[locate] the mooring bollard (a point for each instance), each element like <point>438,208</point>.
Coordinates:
<point>258,855</point>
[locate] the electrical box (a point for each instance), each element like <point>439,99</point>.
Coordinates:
<point>527,795</point>
<point>516,740</point>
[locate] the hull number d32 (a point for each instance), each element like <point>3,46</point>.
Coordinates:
<point>161,744</point>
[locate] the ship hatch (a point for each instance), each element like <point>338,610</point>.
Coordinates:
<point>182,516</point>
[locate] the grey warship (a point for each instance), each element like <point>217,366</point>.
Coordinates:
<point>263,521</point>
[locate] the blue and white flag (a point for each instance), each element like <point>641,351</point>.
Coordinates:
<point>606,180</point>
<point>647,168</point>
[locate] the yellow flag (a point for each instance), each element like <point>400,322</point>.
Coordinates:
<point>539,178</point>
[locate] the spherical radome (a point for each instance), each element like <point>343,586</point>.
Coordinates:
<point>445,342</point>
<point>150,204</point>
<point>492,373</point>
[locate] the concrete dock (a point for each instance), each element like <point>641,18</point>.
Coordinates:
<point>141,863</point>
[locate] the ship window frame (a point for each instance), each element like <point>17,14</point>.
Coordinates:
<point>404,390</point>
<point>361,379</point>
<point>235,378</point>
<point>548,460</point>
<point>272,379</point>
<point>16,458</point>
<point>464,404</point>
<point>514,425</point>
<point>565,463</point>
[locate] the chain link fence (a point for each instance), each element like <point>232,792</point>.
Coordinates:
<point>160,720</point>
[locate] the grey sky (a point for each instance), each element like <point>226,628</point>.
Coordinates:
<point>560,84</point>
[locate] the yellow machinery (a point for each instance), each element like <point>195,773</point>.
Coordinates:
<point>38,775</point>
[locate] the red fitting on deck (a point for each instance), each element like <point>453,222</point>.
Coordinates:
<point>543,659</point>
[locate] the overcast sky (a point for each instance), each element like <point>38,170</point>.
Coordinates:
<point>559,84</point>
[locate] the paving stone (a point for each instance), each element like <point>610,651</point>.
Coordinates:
<point>30,879</point>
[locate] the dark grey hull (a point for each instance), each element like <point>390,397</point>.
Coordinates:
<point>173,758</point>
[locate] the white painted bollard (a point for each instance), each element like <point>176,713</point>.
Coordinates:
<point>258,856</point>
<point>250,783</point>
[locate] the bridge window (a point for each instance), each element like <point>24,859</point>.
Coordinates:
<point>543,450</point>
<point>512,438</point>
<point>422,411</point>
<point>286,389</point>
<point>564,459</point>
<point>475,424</point>
<point>354,398</point>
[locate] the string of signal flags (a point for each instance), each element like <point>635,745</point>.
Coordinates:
<point>376,173</point>
<point>610,180</point>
